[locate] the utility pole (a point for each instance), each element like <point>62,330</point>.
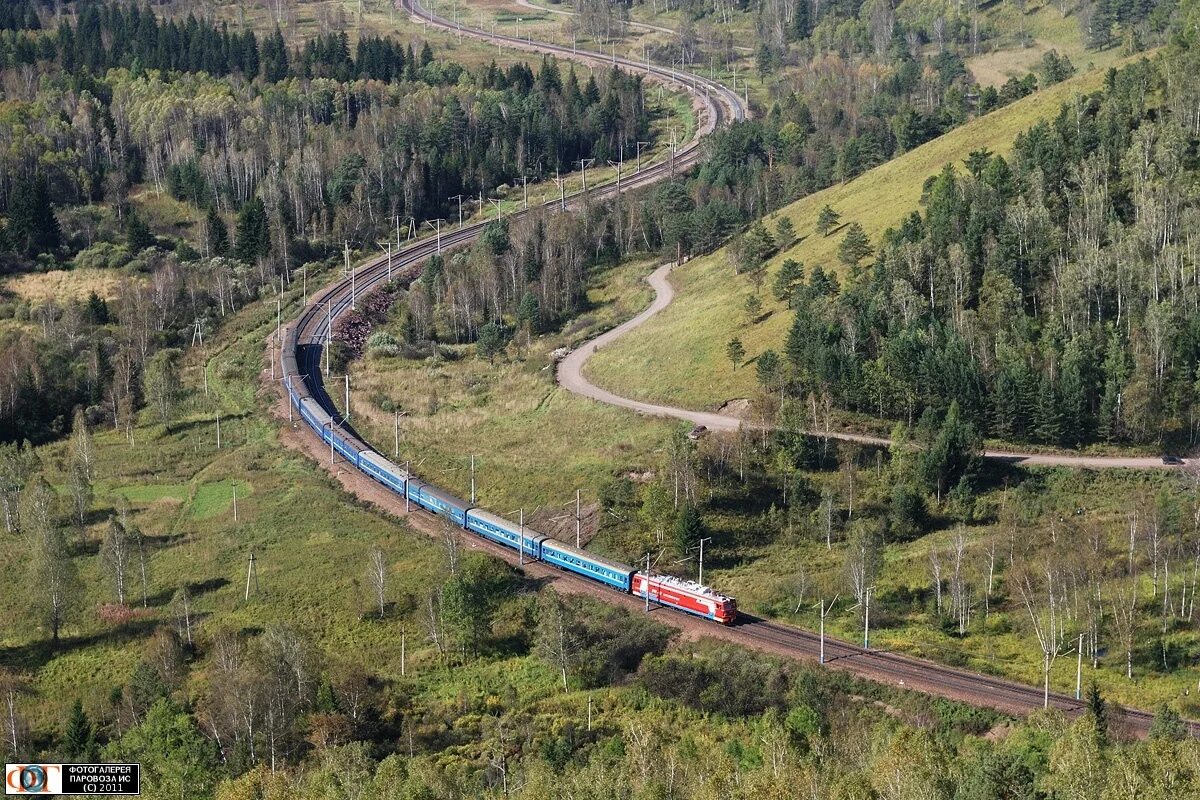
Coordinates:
<point>521,546</point>
<point>867,619</point>
<point>346,413</point>
<point>388,246</point>
<point>235,502</point>
<point>640,145</point>
<point>700,579</point>
<point>439,232</point>
<point>646,583</point>
<point>824,613</point>
<point>331,457</point>
<point>472,478</point>
<point>617,165</point>
<point>1079,669</point>
<point>218,430</point>
<point>251,572</point>
<point>562,188</point>
<point>577,519</point>
<point>407,480</point>
<point>328,333</point>
<point>403,650</point>
<point>584,163</point>
<point>499,208</point>
<point>459,198</point>
<point>525,190</point>
<point>346,251</point>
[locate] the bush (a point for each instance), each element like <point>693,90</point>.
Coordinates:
<point>382,343</point>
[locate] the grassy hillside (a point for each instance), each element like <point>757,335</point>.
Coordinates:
<point>679,356</point>
<point>1024,37</point>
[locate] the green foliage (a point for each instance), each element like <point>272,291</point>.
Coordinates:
<point>736,352</point>
<point>732,682</point>
<point>1055,68</point>
<point>827,220</point>
<point>855,246</point>
<point>79,738</point>
<point>785,233</point>
<point>253,232</point>
<point>788,279</point>
<point>177,759</point>
<point>161,383</point>
<point>138,235</point>
<point>32,227</point>
<point>753,306</point>
<point>689,529</point>
<point>491,341</point>
<point>470,599</point>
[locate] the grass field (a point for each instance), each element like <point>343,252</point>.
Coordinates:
<point>679,356</point>
<point>1047,29</point>
<point>534,443</point>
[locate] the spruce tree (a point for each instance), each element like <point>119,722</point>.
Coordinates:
<point>253,234</point>
<point>32,227</point>
<point>827,220</point>
<point>689,529</point>
<point>855,247</point>
<point>216,235</point>
<point>79,739</point>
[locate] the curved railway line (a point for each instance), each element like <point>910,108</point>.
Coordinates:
<point>305,340</point>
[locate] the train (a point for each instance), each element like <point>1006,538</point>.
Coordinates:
<point>664,590</point>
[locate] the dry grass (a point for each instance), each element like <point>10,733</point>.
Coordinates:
<point>1047,29</point>
<point>61,285</point>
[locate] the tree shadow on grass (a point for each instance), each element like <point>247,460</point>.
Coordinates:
<point>35,655</point>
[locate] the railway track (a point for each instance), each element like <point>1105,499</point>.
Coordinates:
<point>307,337</point>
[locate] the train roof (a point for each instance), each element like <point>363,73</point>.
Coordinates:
<point>384,463</point>
<point>496,519</point>
<point>573,550</point>
<point>315,408</point>
<point>445,497</point>
<point>687,586</point>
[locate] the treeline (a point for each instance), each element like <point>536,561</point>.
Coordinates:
<point>1053,295</point>
<point>353,156</point>
<point>101,36</point>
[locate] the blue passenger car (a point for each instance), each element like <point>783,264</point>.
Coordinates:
<point>443,503</point>
<point>498,529</point>
<point>568,557</point>
<point>382,470</point>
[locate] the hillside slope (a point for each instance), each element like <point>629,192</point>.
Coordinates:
<point>684,347</point>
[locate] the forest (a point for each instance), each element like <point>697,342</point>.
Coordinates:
<point>1051,294</point>
<point>283,153</point>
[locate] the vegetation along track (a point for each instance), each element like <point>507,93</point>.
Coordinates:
<point>308,334</point>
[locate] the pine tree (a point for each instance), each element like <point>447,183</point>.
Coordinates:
<point>689,529</point>
<point>32,227</point>
<point>855,247</point>
<point>216,235</point>
<point>253,233</point>
<point>791,275</point>
<point>827,220</point>
<point>736,352</point>
<point>1047,417</point>
<point>137,234</point>
<point>79,738</point>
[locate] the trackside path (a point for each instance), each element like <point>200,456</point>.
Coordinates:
<point>571,378</point>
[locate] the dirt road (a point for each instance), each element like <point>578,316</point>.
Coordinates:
<point>571,378</point>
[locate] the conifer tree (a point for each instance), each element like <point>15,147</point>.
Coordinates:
<point>253,232</point>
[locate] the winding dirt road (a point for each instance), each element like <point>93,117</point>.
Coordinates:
<point>571,378</point>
